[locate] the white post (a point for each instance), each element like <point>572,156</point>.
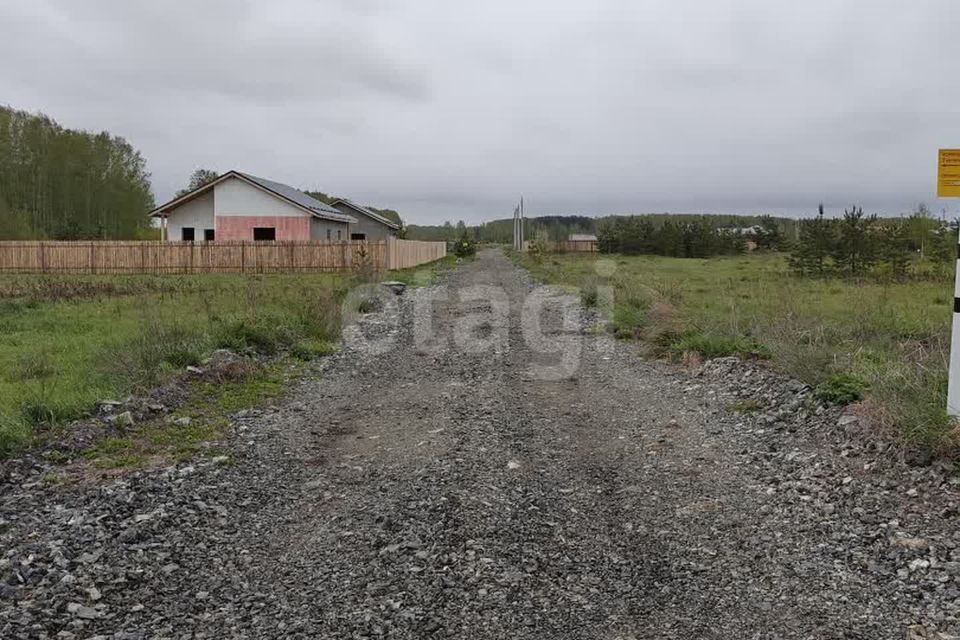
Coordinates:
<point>953,381</point>
<point>515,228</point>
<point>521,223</point>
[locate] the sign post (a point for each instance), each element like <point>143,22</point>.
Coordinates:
<point>948,186</point>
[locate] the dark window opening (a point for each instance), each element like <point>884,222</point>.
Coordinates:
<point>358,236</point>
<point>186,234</point>
<point>330,234</point>
<point>339,234</point>
<point>264,233</point>
<point>209,235</point>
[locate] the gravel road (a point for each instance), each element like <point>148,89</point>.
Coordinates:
<point>437,491</point>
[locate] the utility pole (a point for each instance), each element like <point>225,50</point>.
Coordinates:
<point>521,222</point>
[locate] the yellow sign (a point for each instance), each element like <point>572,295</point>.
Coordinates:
<point>948,176</point>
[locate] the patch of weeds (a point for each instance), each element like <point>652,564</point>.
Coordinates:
<point>746,406</point>
<point>266,335</point>
<point>712,346</point>
<point>114,445</point>
<point>228,397</point>
<point>630,316</point>
<point>157,348</point>
<point>43,409</point>
<point>184,439</point>
<point>841,388</point>
<point>313,349</point>
<point>52,478</point>
<point>15,434</point>
<point>589,296</point>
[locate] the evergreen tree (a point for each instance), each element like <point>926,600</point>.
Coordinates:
<point>855,248</point>
<point>814,246</point>
<point>895,247</point>
<point>768,235</point>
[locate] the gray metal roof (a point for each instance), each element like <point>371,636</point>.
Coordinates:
<point>376,216</point>
<point>299,197</point>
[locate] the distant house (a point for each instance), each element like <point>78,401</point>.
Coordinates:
<point>239,206</point>
<point>581,237</point>
<point>370,225</point>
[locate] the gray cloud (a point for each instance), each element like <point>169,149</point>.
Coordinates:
<point>450,110</point>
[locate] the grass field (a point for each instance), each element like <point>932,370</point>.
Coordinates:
<point>67,342</point>
<point>888,343</point>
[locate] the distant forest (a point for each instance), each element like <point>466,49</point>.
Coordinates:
<point>59,183</point>
<point>556,228</point>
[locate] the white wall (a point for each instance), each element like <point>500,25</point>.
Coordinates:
<point>234,197</point>
<point>197,213</point>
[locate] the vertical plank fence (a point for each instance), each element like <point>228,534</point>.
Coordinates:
<point>132,257</point>
<point>403,254</point>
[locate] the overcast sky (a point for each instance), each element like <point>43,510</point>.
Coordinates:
<point>449,109</point>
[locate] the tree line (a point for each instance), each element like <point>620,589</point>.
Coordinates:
<point>866,245</point>
<point>65,184</point>
<point>558,228</point>
<point>692,237</point>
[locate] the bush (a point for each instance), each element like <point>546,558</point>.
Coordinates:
<point>841,388</point>
<point>536,249</point>
<point>589,296</point>
<point>464,247</point>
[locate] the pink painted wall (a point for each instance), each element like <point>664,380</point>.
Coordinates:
<point>241,227</point>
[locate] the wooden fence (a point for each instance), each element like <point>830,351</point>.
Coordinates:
<point>403,254</point>
<point>211,257</point>
<point>569,246</point>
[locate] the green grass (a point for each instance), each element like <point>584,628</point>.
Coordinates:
<point>69,341</point>
<point>66,342</point>
<point>887,343</point>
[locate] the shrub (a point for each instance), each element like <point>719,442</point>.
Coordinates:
<point>464,247</point>
<point>536,249</point>
<point>589,296</point>
<point>841,388</point>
